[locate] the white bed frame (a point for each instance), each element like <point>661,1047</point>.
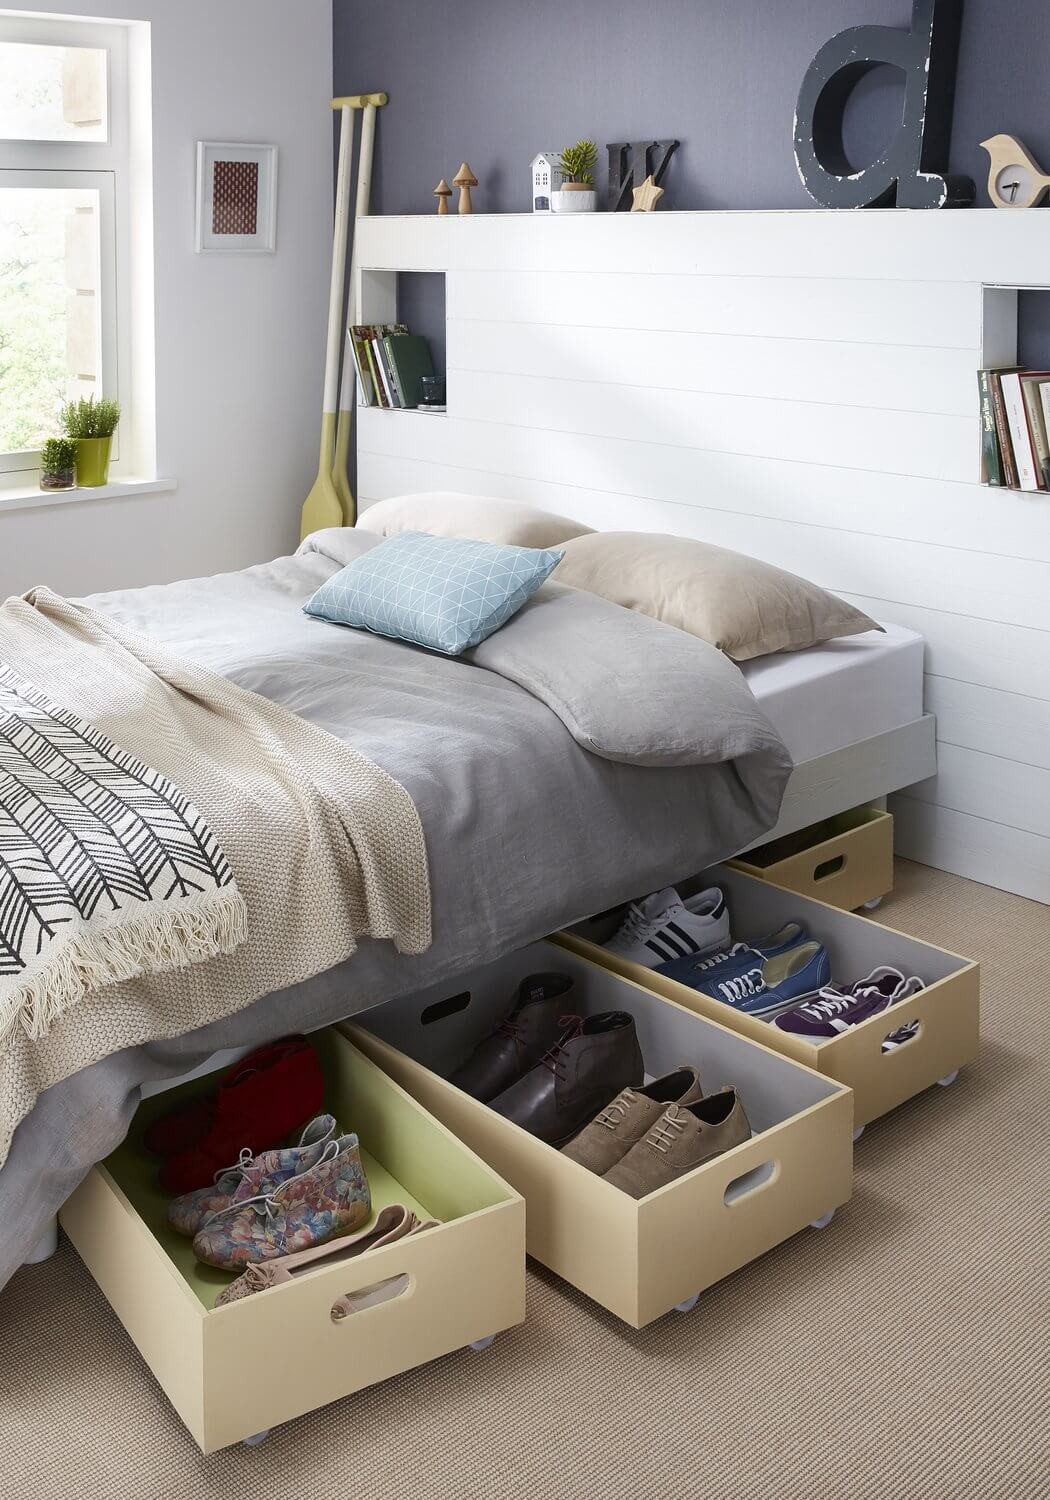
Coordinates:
<point>800,386</point>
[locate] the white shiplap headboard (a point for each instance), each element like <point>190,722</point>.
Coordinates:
<point>800,386</point>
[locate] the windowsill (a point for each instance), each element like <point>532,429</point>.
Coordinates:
<point>23,498</point>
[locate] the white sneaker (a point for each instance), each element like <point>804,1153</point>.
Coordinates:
<point>663,926</point>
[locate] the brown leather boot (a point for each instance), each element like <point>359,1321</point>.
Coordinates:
<point>592,1061</point>
<point>518,1043</point>
<point>632,1114</point>
<point>679,1141</point>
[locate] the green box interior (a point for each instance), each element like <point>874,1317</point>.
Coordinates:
<point>408,1157</point>
<point>808,838</point>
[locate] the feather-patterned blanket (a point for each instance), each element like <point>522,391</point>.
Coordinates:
<point>107,870</point>
<point>290,835</point>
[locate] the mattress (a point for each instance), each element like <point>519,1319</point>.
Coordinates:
<point>834,695</point>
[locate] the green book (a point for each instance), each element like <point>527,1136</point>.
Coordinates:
<point>989,438</point>
<point>409,358</point>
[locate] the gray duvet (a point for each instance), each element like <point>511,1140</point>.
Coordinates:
<point>581,756</point>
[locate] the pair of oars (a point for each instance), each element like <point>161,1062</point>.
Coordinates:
<point>331,501</point>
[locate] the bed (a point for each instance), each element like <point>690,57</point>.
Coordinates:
<point>526,831</point>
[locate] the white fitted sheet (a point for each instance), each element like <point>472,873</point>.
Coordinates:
<point>835,695</point>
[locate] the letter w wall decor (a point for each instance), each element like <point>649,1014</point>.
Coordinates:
<point>907,171</point>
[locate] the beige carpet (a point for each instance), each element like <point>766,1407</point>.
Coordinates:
<point>901,1352</point>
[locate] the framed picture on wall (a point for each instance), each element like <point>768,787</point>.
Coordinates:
<point>236,198</point>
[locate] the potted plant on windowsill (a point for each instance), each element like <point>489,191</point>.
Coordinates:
<point>58,461</point>
<point>576,194</point>
<point>91,424</point>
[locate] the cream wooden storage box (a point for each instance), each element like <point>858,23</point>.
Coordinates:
<point>947,1010</point>
<point>232,1372</point>
<point>637,1258</point>
<point>846,861</point>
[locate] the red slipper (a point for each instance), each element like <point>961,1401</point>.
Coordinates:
<point>182,1128</point>
<point>257,1105</point>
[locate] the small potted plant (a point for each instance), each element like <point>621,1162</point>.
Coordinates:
<point>91,425</point>
<point>576,194</point>
<point>58,461</point>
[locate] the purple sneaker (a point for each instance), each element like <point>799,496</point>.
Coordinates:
<point>837,1008</point>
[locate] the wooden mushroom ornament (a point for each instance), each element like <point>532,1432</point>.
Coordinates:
<point>442,193</point>
<point>465,180</point>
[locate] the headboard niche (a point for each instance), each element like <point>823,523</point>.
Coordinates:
<point>800,386</point>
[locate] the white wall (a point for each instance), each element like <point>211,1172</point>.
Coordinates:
<point>798,386</point>
<point>239,339</point>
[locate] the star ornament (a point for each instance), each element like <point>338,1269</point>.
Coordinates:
<point>646,197</point>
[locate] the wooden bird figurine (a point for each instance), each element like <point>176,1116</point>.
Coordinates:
<point>465,180</point>
<point>442,193</point>
<point>1015,179</point>
<point>646,197</point>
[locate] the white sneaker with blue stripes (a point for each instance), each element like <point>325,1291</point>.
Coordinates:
<point>663,926</point>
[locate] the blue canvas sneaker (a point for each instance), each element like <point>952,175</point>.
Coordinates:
<point>732,960</point>
<point>771,984</point>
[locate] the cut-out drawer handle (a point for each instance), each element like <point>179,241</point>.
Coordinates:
<point>442,1009</point>
<point>902,1036</point>
<point>829,867</point>
<point>387,1290</point>
<point>750,1182</point>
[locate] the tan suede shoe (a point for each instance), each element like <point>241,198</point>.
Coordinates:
<point>634,1112</point>
<point>679,1141</point>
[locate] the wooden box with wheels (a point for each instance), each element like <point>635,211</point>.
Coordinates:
<point>846,861</point>
<point>940,1023</point>
<point>234,1372</point>
<point>637,1257</point>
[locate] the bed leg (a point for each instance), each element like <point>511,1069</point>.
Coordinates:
<point>45,1246</point>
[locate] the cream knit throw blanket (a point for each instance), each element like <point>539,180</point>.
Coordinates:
<point>324,846</point>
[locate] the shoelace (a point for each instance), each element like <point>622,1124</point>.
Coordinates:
<point>742,986</point>
<point>613,1114</point>
<point>720,958</point>
<point>266,1205</point>
<point>636,926</point>
<point>665,1132</point>
<point>571,1028</point>
<point>244,1160</point>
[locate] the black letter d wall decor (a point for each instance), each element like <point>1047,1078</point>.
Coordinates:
<point>926,55</point>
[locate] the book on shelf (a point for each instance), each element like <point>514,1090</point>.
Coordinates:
<point>1002,430</point>
<point>1037,430</point>
<point>991,460</point>
<point>1044,397</point>
<point>408,356</point>
<point>1020,436</point>
<point>374,386</point>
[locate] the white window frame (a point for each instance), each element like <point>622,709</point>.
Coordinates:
<point>99,165</point>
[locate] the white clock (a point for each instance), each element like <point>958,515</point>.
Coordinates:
<point>1014,178</point>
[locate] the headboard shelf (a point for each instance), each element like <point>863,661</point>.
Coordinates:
<point>799,385</point>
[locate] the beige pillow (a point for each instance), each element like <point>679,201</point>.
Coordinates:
<point>744,607</point>
<point>481,517</point>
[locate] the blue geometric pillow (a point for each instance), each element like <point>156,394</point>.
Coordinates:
<point>447,593</point>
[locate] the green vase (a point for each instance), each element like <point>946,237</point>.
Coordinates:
<point>93,460</point>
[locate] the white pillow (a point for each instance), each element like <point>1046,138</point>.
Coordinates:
<point>480,517</point>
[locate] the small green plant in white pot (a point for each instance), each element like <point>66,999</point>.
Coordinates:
<point>91,424</point>
<point>577,194</point>
<point>58,462</point>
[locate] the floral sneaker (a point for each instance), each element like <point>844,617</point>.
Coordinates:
<point>330,1198</point>
<point>250,1174</point>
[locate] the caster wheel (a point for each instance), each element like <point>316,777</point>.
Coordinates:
<point>872,905</point>
<point>823,1221</point>
<point>256,1438</point>
<point>948,1079</point>
<point>858,1131</point>
<point>481,1344</point>
<point>688,1304</point>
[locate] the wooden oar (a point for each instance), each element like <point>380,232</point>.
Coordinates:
<point>323,506</point>
<point>340,478</point>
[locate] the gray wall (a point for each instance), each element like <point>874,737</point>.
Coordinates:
<point>493,81</point>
